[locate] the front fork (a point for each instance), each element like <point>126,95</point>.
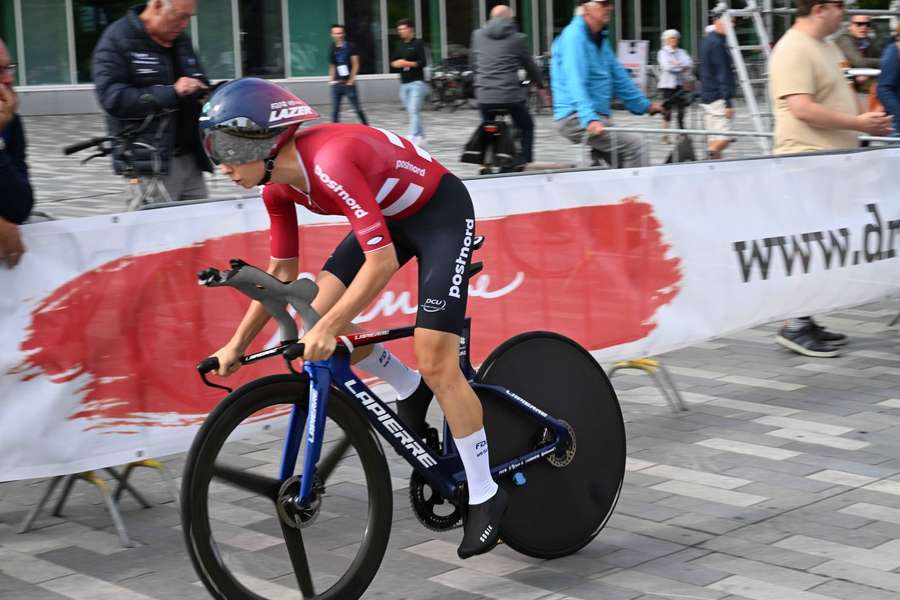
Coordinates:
<point>319,384</point>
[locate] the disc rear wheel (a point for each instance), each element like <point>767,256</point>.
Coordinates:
<point>567,498</point>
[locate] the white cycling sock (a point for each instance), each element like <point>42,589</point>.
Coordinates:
<point>381,363</point>
<point>473,451</point>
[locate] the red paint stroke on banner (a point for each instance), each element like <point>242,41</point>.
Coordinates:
<point>132,330</point>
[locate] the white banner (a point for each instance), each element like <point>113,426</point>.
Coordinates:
<point>103,321</point>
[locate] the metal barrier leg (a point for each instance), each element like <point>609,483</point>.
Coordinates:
<point>69,481</point>
<point>124,486</point>
<point>663,381</point>
<point>676,401</point>
<point>149,463</point>
<point>111,507</point>
<point>30,518</point>
<point>895,320</point>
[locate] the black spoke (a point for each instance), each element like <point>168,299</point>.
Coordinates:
<point>332,458</point>
<point>258,484</point>
<point>294,540</point>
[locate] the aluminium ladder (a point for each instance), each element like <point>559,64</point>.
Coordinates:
<point>754,13</point>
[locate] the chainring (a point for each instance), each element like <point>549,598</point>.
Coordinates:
<point>424,499</point>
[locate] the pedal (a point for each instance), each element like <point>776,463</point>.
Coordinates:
<point>474,269</point>
<point>478,243</point>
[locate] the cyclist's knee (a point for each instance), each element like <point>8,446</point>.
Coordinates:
<point>437,356</point>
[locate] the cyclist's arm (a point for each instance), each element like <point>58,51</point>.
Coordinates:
<point>283,265</point>
<point>378,268</point>
<point>370,230</point>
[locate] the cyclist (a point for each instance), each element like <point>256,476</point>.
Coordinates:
<point>400,203</point>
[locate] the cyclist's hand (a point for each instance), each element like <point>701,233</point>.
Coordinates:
<point>318,344</point>
<point>8,105</point>
<point>185,86</point>
<point>729,113</point>
<point>229,361</point>
<point>11,248</point>
<point>875,123</point>
<point>595,128</point>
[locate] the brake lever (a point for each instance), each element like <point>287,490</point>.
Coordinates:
<point>206,366</point>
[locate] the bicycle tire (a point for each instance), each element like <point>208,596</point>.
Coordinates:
<point>558,510</point>
<point>261,394</point>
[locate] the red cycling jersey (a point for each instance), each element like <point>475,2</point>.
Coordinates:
<point>368,174</point>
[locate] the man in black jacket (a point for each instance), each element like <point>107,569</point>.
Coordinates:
<point>16,198</point>
<point>409,59</point>
<point>498,51</point>
<point>143,63</point>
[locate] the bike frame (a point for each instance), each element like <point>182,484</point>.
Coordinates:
<point>443,472</point>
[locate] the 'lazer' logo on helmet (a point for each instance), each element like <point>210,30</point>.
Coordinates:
<point>338,189</point>
<point>287,113</point>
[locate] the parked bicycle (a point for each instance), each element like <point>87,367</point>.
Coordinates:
<point>556,435</point>
<point>126,147</point>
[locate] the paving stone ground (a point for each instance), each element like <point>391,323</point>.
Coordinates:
<point>782,481</point>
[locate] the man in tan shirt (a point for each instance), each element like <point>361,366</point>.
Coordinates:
<point>815,110</point>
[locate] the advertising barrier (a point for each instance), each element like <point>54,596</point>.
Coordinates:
<point>102,323</point>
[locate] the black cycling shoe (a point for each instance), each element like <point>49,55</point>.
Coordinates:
<point>482,526</point>
<point>413,408</point>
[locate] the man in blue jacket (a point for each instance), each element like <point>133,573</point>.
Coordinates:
<point>585,75</point>
<point>144,62</point>
<point>16,198</point>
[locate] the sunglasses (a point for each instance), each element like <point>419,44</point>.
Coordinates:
<point>11,69</point>
<point>861,23</point>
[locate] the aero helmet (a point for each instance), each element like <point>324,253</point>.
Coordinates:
<point>250,119</point>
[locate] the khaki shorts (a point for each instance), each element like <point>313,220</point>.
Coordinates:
<point>715,120</point>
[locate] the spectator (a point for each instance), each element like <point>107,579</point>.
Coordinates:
<point>860,49</point>
<point>343,66</point>
<point>716,86</point>
<point>675,66</point>
<point>889,81</point>
<point>498,52</point>
<point>16,198</point>
<point>815,110</point>
<point>145,62</point>
<point>584,75</point>
<point>409,59</point>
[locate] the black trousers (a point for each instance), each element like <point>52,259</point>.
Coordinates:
<point>338,91</point>
<point>522,120</point>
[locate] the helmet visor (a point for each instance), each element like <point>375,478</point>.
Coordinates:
<point>224,146</point>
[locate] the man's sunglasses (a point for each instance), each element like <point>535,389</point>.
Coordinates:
<point>11,69</point>
<point>861,23</point>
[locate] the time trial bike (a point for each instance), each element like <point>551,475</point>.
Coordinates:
<point>287,492</point>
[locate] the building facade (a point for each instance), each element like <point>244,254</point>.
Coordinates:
<point>52,40</point>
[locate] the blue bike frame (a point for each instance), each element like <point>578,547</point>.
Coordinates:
<point>443,472</point>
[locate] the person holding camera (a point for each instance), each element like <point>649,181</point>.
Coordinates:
<point>144,63</point>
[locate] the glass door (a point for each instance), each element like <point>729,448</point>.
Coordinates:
<point>262,39</point>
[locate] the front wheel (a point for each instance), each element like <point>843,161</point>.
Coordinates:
<point>565,500</point>
<point>246,538</point>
